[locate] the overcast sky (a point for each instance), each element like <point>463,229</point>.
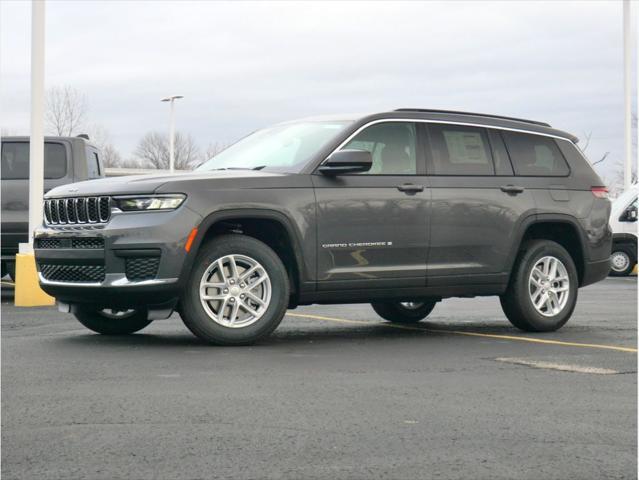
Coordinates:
<point>245,65</point>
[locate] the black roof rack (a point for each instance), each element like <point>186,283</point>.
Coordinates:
<point>453,112</point>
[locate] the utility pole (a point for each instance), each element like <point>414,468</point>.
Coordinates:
<point>27,290</point>
<point>172,99</point>
<point>36,142</point>
<point>627,94</point>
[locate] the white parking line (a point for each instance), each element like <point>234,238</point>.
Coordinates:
<point>558,366</point>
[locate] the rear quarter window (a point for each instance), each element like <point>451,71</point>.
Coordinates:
<point>15,160</point>
<point>535,155</point>
<point>459,150</point>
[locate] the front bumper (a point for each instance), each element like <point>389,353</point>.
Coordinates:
<point>134,260</point>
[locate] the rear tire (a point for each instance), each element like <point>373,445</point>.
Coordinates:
<point>236,293</point>
<point>622,259</point>
<point>555,293</point>
<point>108,322</point>
<point>404,312</point>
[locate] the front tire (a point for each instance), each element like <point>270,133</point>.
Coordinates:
<point>622,260</point>
<point>542,293</point>
<point>111,322</point>
<point>404,312</point>
<point>237,291</point>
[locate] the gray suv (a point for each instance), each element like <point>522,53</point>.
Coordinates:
<point>400,209</point>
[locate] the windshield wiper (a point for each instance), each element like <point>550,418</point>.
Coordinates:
<point>259,167</point>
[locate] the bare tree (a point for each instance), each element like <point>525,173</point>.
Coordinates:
<point>153,151</point>
<point>213,149</point>
<point>66,110</point>
<point>101,138</point>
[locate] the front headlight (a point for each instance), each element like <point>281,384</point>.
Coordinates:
<point>152,202</point>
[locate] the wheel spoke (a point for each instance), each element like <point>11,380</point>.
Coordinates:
<point>220,312</point>
<point>220,267</point>
<point>256,299</point>
<point>234,310</point>
<point>541,301</point>
<point>248,309</point>
<point>212,285</point>
<point>248,273</point>
<point>553,268</point>
<point>232,266</point>
<point>213,297</point>
<point>257,282</point>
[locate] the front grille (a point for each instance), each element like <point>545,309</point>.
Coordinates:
<point>69,242</point>
<point>141,268</point>
<point>73,273</point>
<point>77,210</point>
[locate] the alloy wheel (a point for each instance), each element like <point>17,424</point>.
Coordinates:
<point>235,291</point>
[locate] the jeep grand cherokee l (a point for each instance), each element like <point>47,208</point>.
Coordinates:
<point>400,209</point>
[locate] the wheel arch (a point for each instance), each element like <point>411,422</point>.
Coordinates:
<point>269,226</point>
<point>563,229</point>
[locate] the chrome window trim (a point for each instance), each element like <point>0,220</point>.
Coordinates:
<point>444,122</point>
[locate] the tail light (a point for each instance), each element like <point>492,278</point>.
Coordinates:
<point>599,192</point>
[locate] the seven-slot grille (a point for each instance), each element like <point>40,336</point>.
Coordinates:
<point>77,210</point>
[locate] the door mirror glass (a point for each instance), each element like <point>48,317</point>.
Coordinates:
<point>631,214</point>
<point>347,161</point>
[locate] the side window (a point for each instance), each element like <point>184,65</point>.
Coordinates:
<point>459,150</point>
<point>93,164</point>
<point>15,161</point>
<point>392,146</point>
<point>500,154</point>
<point>535,155</point>
<point>55,160</point>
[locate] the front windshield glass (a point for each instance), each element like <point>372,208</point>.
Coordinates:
<point>284,148</point>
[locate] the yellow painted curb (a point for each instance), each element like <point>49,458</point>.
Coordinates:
<point>27,290</point>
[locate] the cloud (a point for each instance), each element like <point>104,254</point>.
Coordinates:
<point>244,65</point>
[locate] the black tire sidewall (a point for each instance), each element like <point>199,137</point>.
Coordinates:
<point>528,317</point>
<point>195,317</point>
<point>395,312</point>
<point>91,318</point>
<point>631,252</point>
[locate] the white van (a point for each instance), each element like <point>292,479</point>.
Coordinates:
<point>623,222</point>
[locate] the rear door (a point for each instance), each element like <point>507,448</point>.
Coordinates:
<point>15,185</point>
<point>477,205</point>
<point>372,228</point>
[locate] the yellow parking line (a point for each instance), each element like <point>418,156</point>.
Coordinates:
<point>470,334</point>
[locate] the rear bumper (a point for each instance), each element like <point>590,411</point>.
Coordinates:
<point>595,272</point>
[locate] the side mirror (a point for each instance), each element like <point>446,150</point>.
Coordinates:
<point>347,161</point>
<point>631,214</point>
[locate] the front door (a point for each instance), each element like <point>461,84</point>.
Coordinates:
<point>372,227</point>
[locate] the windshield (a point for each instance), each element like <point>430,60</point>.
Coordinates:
<point>285,148</point>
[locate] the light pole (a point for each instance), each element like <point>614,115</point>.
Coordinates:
<point>627,95</point>
<point>172,99</point>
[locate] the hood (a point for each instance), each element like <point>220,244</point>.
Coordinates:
<point>146,184</point>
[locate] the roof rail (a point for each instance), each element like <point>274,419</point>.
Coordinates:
<point>83,135</point>
<point>454,112</point>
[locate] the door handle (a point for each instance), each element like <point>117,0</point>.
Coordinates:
<point>410,188</point>
<point>511,189</point>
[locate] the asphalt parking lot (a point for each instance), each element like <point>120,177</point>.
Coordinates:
<point>334,393</point>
